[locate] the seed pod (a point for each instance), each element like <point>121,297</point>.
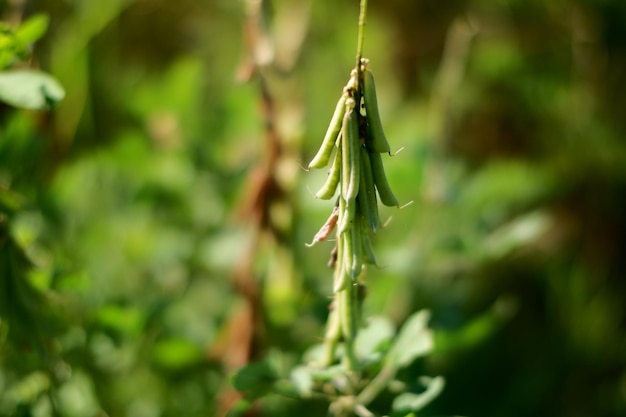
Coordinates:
<point>330,186</point>
<point>344,246</point>
<point>350,152</point>
<point>321,158</point>
<point>367,194</point>
<point>376,140</point>
<point>341,278</point>
<point>348,210</point>
<point>380,179</point>
<point>327,228</point>
<point>368,251</point>
<point>357,251</point>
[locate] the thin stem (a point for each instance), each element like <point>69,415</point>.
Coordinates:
<point>361,33</point>
<point>376,386</point>
<point>345,301</point>
<point>333,327</point>
<point>333,334</point>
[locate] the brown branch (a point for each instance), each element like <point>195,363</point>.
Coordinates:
<point>245,328</point>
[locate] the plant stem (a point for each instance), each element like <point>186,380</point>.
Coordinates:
<point>346,302</point>
<point>333,334</point>
<point>333,326</point>
<point>376,386</point>
<point>361,33</point>
<point>346,308</point>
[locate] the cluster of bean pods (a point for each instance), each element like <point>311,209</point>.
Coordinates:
<point>358,140</point>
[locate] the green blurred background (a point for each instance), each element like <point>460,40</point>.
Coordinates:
<point>122,226</point>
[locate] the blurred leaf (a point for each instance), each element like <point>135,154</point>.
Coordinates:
<point>477,330</point>
<point>497,58</point>
<point>329,373</point>
<point>10,201</point>
<point>302,380</point>
<point>76,397</point>
<point>176,353</point>
<point>315,353</point>
<point>521,231</point>
<point>32,29</point>
<point>255,379</point>
<point>26,390</point>
<point>414,402</point>
<point>413,340</point>
<point>239,408</point>
<point>30,89</point>
<point>40,278</point>
<point>499,187</point>
<point>30,313</point>
<point>374,339</point>
<point>127,320</point>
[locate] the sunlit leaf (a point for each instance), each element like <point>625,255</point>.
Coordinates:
<point>302,380</point>
<point>122,319</point>
<point>76,397</point>
<point>409,401</point>
<point>27,389</point>
<point>521,231</point>
<point>32,29</point>
<point>413,340</point>
<point>30,89</point>
<point>373,339</point>
<point>176,353</point>
<point>329,373</point>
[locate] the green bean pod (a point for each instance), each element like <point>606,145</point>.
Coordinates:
<point>348,210</point>
<point>344,258</point>
<point>321,158</point>
<point>380,179</point>
<point>343,280</point>
<point>332,181</point>
<point>356,262</point>
<point>376,140</point>
<point>367,193</point>
<point>368,251</point>
<point>350,152</point>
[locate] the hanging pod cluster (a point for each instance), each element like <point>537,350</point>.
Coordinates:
<point>358,140</point>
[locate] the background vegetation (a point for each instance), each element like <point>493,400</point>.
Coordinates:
<point>145,255</point>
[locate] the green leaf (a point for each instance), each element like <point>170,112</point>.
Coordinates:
<point>32,29</point>
<point>374,339</point>
<point>30,89</point>
<point>255,379</point>
<point>27,389</point>
<point>126,320</point>
<point>302,380</point>
<point>478,330</point>
<point>176,353</point>
<point>413,340</point>
<point>10,201</point>
<point>328,373</point>
<point>239,408</point>
<point>409,401</point>
<point>522,231</point>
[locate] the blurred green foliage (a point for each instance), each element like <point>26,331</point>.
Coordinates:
<point>118,233</point>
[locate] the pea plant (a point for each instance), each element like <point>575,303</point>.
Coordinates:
<point>359,359</point>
